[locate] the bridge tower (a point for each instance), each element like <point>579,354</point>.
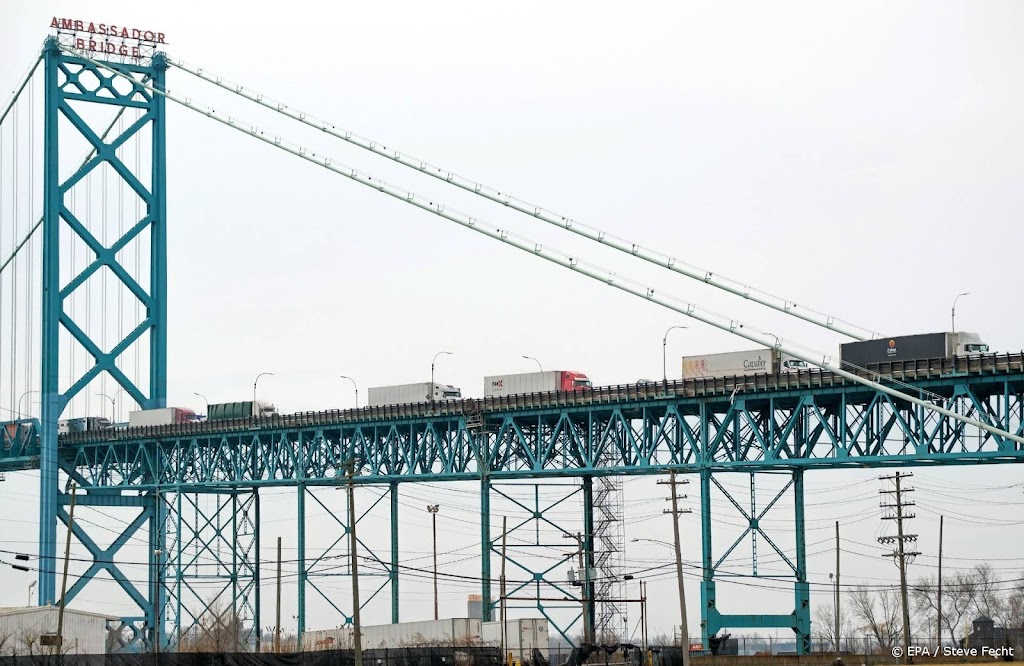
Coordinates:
<point>78,93</point>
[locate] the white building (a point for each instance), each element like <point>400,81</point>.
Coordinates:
<point>32,630</point>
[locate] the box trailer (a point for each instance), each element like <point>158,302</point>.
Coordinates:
<point>160,417</point>
<point>522,637</point>
<point>83,424</point>
<point>402,394</point>
<point>739,364</point>
<point>535,382</point>
<point>240,410</point>
<point>450,631</point>
<point>910,347</point>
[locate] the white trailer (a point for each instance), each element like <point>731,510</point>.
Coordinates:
<point>740,364</point>
<point>411,393</point>
<point>535,382</point>
<point>160,417</point>
<point>522,636</point>
<point>451,631</point>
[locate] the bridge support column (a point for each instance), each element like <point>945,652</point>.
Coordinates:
<point>712,620</point>
<point>587,588</point>
<point>301,564</point>
<point>394,553</point>
<point>485,548</point>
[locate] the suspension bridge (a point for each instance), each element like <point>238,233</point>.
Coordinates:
<point>925,412</point>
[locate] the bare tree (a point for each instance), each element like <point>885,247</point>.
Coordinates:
<point>1015,605</point>
<point>988,599</point>
<point>878,612</point>
<point>218,630</point>
<point>825,627</point>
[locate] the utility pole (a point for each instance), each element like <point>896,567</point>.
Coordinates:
<point>901,555</point>
<point>584,583</point>
<point>64,581</point>
<point>938,636</point>
<point>675,511</point>
<point>277,629</point>
<point>433,509</point>
<point>357,641</point>
<point>837,589</point>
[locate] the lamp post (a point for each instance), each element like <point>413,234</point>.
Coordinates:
<point>30,586</point>
<point>205,400</point>
<point>113,406</point>
<point>353,386</point>
<point>254,389</point>
<point>952,312</point>
<point>433,509</point>
<point>664,344</point>
<point>530,358</point>
<point>432,363</point>
<point>20,399</point>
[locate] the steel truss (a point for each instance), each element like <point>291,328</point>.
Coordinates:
<point>334,561</point>
<point>787,431</point>
<point>533,528</point>
<point>73,86</point>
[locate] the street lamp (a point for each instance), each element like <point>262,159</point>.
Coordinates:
<point>353,386</point>
<point>430,396</point>
<point>207,401</point>
<point>113,406</point>
<point>664,344</point>
<point>30,586</point>
<point>255,411</point>
<point>433,509</point>
<point>530,358</point>
<point>953,311</point>
<point>19,402</point>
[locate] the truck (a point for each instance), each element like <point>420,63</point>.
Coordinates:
<point>406,393</point>
<point>740,364</point>
<point>535,382</point>
<point>160,416</point>
<point>83,424</point>
<point>240,410</point>
<point>909,347</point>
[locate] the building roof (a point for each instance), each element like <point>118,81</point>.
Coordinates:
<point>31,609</point>
<point>983,618</point>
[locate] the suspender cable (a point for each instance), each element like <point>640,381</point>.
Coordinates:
<point>21,86</point>
<point>39,222</point>
<point>718,321</point>
<point>635,249</point>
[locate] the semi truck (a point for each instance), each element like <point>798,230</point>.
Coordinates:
<point>160,417</point>
<point>520,637</point>
<point>535,382</point>
<point>83,424</point>
<point>240,410</point>
<point>408,393</point>
<point>909,347</point>
<point>739,364</point>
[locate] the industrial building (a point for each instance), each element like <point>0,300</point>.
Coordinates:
<point>33,630</point>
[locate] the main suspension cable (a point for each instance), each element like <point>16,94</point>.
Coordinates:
<point>721,282</point>
<point>718,321</point>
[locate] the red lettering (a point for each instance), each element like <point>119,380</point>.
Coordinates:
<point>160,38</point>
<point>124,33</point>
<point>53,24</point>
<point>123,50</point>
<point>103,28</point>
<point>92,44</point>
<point>92,27</point>
<point>136,33</point>
<point>67,24</point>
<point>79,26</point>
<point>149,36</point>
<point>135,52</point>
<point>80,44</point>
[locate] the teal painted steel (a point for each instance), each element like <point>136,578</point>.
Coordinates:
<point>394,553</point>
<point>65,85</point>
<point>486,547</point>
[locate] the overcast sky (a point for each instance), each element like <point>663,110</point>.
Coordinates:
<point>860,158</point>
